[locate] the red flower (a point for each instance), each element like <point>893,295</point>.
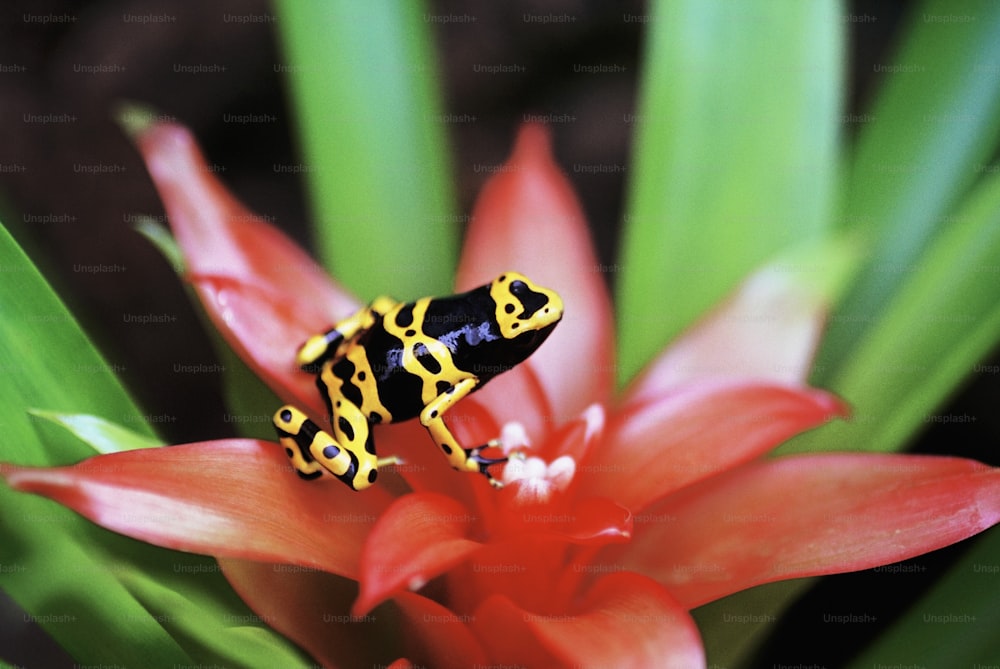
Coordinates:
<point>626,512</point>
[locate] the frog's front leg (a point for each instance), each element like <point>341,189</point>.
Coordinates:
<point>321,347</point>
<point>462,459</point>
<point>349,455</point>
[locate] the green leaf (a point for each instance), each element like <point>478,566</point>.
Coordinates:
<point>362,77</point>
<point>102,435</point>
<point>63,570</point>
<point>734,627</point>
<point>162,239</point>
<point>823,267</point>
<point>935,124</point>
<point>224,639</point>
<point>735,155</point>
<point>942,321</point>
<point>55,564</point>
<point>954,625</point>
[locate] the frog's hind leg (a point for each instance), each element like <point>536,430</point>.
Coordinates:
<point>350,456</point>
<point>297,434</point>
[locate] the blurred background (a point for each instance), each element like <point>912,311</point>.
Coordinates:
<point>61,78</point>
<point>64,78</point>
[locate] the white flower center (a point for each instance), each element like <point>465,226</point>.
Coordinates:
<point>513,438</point>
<point>538,479</point>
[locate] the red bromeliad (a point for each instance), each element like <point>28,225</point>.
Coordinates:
<point>624,513</point>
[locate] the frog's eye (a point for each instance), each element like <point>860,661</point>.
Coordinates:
<point>519,288</point>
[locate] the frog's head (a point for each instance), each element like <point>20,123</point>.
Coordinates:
<point>525,311</point>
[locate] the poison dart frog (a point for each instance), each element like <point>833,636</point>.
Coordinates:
<point>394,361</point>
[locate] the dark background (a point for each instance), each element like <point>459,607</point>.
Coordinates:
<point>95,210</point>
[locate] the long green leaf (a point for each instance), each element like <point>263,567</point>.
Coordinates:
<point>735,155</point>
<point>935,125</point>
<point>226,639</point>
<point>66,572</point>
<point>944,319</point>
<point>734,627</point>
<point>102,435</point>
<point>371,131</point>
<point>55,563</point>
<point>954,625</point>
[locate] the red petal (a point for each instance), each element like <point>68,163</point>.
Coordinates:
<point>247,272</point>
<point>518,395</point>
<point>529,570</point>
<point>576,438</point>
<point>588,521</point>
<point>767,331</point>
<point>530,548</point>
<point>625,620</point>
<point>808,515</point>
<point>424,467</point>
<point>529,220</point>
<point>417,538</point>
<point>656,447</point>
<point>264,330</point>
<point>313,610</point>
<point>436,636</point>
<point>234,498</point>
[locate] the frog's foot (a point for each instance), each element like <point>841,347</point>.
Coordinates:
<point>389,460</point>
<point>475,455</point>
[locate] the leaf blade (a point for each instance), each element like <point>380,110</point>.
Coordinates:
<point>47,366</point>
<point>943,319</point>
<point>953,624</point>
<point>62,569</point>
<point>725,177</point>
<point>102,435</point>
<point>366,100</point>
<point>934,127</point>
